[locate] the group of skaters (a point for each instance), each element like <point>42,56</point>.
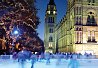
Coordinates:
<point>25,55</point>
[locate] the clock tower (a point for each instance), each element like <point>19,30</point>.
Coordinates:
<point>50,23</point>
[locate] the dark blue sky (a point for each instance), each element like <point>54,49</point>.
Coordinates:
<point>42,6</point>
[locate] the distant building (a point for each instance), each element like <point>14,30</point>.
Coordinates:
<point>78,30</point>
<point>50,23</point>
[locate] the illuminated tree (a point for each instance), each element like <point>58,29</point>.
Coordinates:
<point>20,15</point>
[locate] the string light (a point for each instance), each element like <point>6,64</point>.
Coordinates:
<point>19,12</point>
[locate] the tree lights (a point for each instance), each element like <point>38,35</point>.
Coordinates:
<point>20,14</point>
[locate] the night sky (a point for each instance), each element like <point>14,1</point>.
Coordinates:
<point>42,6</point>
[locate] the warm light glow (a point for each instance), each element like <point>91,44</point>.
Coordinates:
<point>50,44</point>
<point>48,12</point>
<point>88,48</point>
<point>54,12</point>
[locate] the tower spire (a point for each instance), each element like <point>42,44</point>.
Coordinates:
<point>51,2</point>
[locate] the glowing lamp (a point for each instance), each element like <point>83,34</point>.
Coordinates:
<point>16,32</point>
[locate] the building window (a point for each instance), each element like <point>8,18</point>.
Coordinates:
<point>93,36</point>
<point>80,37</point>
<point>93,1</point>
<point>76,20</point>
<point>50,39</point>
<point>50,30</point>
<point>89,36</point>
<point>80,20</point>
<point>77,37</point>
<point>79,29</point>
<point>91,20</point>
<point>48,12</point>
<point>79,10</point>
<point>89,1</point>
<point>50,20</point>
<point>88,19</point>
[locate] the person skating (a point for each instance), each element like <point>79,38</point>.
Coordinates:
<point>33,60</point>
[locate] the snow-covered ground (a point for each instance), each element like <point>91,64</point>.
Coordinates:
<point>83,63</point>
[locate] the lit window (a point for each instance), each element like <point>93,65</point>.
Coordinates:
<point>48,12</point>
<point>54,12</point>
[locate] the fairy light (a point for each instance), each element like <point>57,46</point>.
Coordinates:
<point>14,16</point>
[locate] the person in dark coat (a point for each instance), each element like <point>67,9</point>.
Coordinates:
<point>33,60</point>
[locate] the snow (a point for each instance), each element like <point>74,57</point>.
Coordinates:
<point>83,63</point>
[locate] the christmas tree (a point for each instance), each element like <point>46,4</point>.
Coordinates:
<point>19,21</point>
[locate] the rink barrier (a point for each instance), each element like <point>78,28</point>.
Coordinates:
<point>5,56</point>
<point>54,57</point>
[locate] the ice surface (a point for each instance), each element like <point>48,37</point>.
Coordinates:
<point>83,63</point>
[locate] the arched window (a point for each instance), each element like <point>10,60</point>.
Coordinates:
<point>91,19</point>
<point>88,19</point>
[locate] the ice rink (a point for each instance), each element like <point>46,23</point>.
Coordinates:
<point>83,63</point>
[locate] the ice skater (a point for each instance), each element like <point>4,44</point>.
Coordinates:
<point>73,63</point>
<point>47,57</point>
<point>33,60</point>
<point>58,56</point>
<point>14,56</point>
<point>21,58</point>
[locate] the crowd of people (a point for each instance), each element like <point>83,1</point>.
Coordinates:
<point>25,55</point>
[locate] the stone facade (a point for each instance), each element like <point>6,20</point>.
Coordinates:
<point>78,30</point>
